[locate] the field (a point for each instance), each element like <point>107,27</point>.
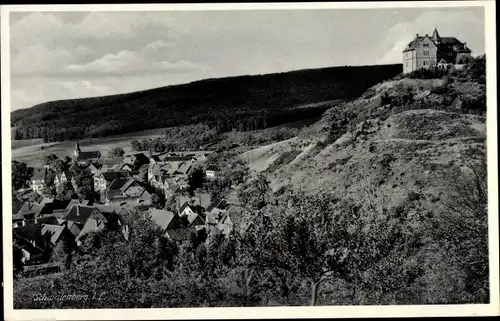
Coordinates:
<point>30,151</point>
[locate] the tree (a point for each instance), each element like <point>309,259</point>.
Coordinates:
<point>49,159</point>
<point>49,191</point>
<point>158,200</point>
<point>196,179</point>
<point>67,192</point>
<point>84,182</point>
<point>58,166</point>
<point>323,239</point>
<point>461,229</point>
<point>20,175</point>
<point>136,145</point>
<point>17,258</point>
<point>50,177</point>
<point>116,153</point>
<point>256,193</point>
<point>64,251</point>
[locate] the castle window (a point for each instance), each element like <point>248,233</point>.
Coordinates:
<point>426,45</point>
<point>425,62</point>
<point>426,53</point>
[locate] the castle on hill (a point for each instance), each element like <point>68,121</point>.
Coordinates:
<point>424,52</point>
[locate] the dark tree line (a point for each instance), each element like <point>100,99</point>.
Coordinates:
<point>242,103</point>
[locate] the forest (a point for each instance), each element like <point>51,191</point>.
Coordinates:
<point>242,103</point>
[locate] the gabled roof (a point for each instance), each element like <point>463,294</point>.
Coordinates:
<point>162,218</point>
<point>54,231</point>
<point>195,217</point>
<point>178,158</point>
<point>79,213</point>
<point>221,204</point>
<point>212,167</point>
<point>238,216</point>
<point>55,206</point>
<point>199,199</point>
<point>141,158</point>
<point>108,208</point>
<point>16,205</point>
<point>119,183</point>
<point>31,208</point>
<point>155,158</point>
<point>83,156</point>
<point>73,228</point>
<point>110,161</point>
<point>49,219</point>
<point>38,174</point>
<point>110,176</point>
<point>29,232</point>
<point>71,203</point>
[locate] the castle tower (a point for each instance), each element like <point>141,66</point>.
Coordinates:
<point>76,151</point>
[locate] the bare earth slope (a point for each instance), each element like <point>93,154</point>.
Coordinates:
<point>389,152</point>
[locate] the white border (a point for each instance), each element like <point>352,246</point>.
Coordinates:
<point>261,312</point>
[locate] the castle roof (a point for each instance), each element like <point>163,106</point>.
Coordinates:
<point>444,44</point>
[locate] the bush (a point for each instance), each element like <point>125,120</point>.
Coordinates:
<point>461,231</point>
<point>429,73</point>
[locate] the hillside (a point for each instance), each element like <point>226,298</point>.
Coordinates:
<point>245,103</point>
<point>399,148</point>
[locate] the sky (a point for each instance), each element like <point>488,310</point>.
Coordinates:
<point>63,55</point>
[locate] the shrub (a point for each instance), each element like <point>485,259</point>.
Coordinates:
<point>461,231</point>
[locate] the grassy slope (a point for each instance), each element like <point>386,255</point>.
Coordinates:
<point>409,151</point>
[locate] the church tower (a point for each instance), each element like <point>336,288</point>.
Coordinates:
<point>76,151</point>
<point>435,36</point>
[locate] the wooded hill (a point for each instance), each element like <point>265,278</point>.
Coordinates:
<point>243,103</point>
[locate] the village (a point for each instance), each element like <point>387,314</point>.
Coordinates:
<point>123,185</point>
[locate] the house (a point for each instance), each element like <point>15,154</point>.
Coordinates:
<point>137,159</point>
<point>125,167</point>
<point>84,158</point>
<point>109,164</point>
<point>57,209</point>
<point>103,180</point>
<point>199,199</point>
<point>235,219</point>
<point>232,197</point>
<point>27,214</point>
<point>425,51</point>
<point>193,220</point>
<point>114,219</point>
<point>38,180</point>
<point>177,161</point>
<point>61,178</point>
<point>166,220</point>
<point>84,219</point>
<point>32,243</point>
<point>187,209</point>
<point>214,212</point>
<point>56,233</point>
<point>212,171</point>
<point>16,205</point>
<point>126,189</point>
<point>94,168</point>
